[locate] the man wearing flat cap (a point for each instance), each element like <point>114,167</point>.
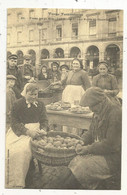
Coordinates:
<point>27,69</point>
<point>100,156</point>
<point>12,69</point>
<point>10,98</point>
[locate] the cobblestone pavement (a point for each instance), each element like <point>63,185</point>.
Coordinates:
<point>49,177</point>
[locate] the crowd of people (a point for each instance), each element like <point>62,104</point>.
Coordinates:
<point>26,118</point>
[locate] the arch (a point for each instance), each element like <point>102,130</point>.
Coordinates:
<point>92,57</point>
<point>45,54</point>
<point>20,57</point>
<point>112,55</point>
<point>33,56</point>
<point>59,53</point>
<point>75,52</point>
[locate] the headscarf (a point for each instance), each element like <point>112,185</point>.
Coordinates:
<point>92,97</point>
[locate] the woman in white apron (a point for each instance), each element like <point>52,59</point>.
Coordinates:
<point>28,119</point>
<point>77,82</point>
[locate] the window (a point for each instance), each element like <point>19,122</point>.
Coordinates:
<point>8,39</point>
<point>44,34</point>
<point>59,32</point>
<point>75,31</point>
<point>92,27</point>
<point>19,15</point>
<point>31,35</point>
<point>19,34</point>
<point>112,26</point>
<point>31,14</point>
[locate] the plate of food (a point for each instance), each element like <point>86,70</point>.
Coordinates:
<point>54,106</point>
<point>80,110</point>
<point>59,106</point>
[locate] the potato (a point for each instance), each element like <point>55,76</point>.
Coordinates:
<point>72,147</point>
<point>64,145</point>
<point>70,144</point>
<point>40,150</point>
<point>50,140</point>
<point>49,145</point>
<point>81,142</point>
<point>42,142</point>
<point>58,136</point>
<point>57,143</point>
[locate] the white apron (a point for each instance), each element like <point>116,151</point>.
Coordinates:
<point>72,93</point>
<point>18,156</point>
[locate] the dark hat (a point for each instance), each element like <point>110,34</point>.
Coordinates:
<point>27,57</point>
<point>103,62</point>
<point>92,97</point>
<point>64,66</point>
<point>55,64</point>
<point>13,56</point>
<point>43,66</point>
<point>11,77</point>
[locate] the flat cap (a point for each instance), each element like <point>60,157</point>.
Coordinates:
<point>27,57</point>
<point>11,77</point>
<point>13,56</point>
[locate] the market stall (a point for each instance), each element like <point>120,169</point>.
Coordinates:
<point>66,118</point>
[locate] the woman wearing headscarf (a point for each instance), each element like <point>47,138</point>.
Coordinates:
<point>28,120</point>
<point>100,157</point>
<point>44,74</point>
<point>107,82</point>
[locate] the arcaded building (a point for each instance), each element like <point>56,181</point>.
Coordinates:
<point>63,34</point>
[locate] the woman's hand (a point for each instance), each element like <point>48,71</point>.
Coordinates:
<point>27,77</point>
<point>42,132</point>
<point>32,134</point>
<point>108,92</point>
<point>36,133</point>
<point>81,149</point>
<point>56,83</point>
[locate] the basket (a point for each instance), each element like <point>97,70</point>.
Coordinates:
<point>54,156</point>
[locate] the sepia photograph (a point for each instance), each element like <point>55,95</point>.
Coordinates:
<point>64,78</point>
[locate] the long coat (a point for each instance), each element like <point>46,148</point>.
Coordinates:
<point>19,82</point>
<point>104,135</point>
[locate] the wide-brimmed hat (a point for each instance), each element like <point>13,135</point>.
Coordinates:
<point>92,97</point>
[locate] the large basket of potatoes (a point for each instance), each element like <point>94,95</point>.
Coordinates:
<point>56,148</point>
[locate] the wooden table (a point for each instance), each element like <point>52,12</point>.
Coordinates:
<point>66,118</point>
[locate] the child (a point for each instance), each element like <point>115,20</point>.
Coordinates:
<point>10,98</point>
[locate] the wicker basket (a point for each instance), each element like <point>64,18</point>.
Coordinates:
<point>54,156</point>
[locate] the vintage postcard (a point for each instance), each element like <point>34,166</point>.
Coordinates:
<point>64,97</point>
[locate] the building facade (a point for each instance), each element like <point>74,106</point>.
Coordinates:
<point>63,34</point>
